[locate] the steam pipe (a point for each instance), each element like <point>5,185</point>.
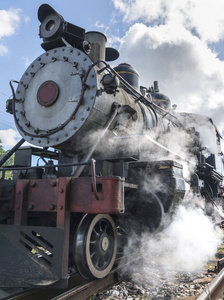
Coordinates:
<point>79,170</point>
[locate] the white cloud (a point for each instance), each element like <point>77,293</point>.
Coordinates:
<point>9,22</point>
<point>9,138</point>
<point>204,17</point>
<point>27,61</point>
<point>166,48</point>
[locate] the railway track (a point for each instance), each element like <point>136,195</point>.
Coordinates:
<point>215,290</point>
<point>82,291</point>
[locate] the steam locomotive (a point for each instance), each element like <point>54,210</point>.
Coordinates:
<point>101,164</point>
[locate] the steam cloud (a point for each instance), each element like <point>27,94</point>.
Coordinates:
<point>185,245</point>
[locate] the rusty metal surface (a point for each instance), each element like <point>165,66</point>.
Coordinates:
<point>21,199</point>
<point>110,191</point>
<point>48,195</point>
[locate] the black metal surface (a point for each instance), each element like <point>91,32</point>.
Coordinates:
<point>34,256</point>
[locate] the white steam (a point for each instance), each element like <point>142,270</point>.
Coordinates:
<point>188,243</point>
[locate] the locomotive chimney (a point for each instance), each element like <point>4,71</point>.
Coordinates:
<point>156,87</point>
<point>97,41</point>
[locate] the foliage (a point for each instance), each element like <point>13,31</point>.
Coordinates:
<point>9,162</point>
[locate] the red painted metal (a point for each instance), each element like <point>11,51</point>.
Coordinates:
<point>43,195</point>
<point>110,191</point>
<point>21,202</point>
<point>78,195</point>
<point>63,201</point>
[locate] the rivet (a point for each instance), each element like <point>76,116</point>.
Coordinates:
<point>23,112</point>
<point>74,127</point>
<point>27,123</point>
<point>36,130</point>
<point>57,139</point>
<point>39,141</point>
<point>88,108</point>
<point>61,191</point>
<point>82,119</point>
<point>66,134</point>
<point>92,97</point>
<point>60,207</point>
<point>84,59</point>
<point>53,183</point>
<point>71,50</point>
<point>31,138</point>
<point>78,53</point>
<point>33,184</point>
<point>52,207</point>
<point>30,206</point>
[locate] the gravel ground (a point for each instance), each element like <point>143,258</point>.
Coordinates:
<point>152,283</point>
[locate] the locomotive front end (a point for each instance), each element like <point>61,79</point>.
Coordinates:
<point>53,102</point>
<point>69,91</point>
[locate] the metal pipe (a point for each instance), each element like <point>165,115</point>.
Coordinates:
<point>10,153</point>
<point>97,41</point>
<point>79,170</point>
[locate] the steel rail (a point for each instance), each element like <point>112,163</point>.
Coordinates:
<point>215,290</point>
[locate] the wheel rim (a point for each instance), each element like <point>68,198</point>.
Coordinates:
<point>95,245</point>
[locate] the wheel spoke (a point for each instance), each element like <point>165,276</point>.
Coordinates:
<point>95,254</point>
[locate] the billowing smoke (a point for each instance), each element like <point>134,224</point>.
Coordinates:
<point>185,245</point>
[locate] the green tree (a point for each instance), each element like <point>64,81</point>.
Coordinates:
<point>9,162</point>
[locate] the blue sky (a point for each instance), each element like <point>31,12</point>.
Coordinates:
<point>178,43</point>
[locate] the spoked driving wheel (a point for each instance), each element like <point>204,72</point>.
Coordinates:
<point>95,245</point>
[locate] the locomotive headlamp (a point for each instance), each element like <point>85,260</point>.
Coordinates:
<point>56,32</point>
<point>51,27</point>
<point>51,22</point>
